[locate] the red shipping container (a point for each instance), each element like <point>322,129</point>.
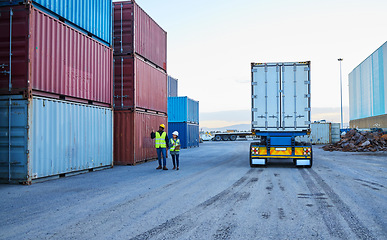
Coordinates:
<point>51,59</point>
<point>134,31</point>
<point>132,141</point>
<point>139,85</point>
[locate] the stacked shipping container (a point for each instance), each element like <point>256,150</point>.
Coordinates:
<point>61,81</point>
<point>140,82</point>
<point>183,116</point>
<point>172,87</point>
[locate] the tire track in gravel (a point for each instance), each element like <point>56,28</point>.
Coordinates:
<point>354,223</point>
<point>191,219</point>
<point>329,217</point>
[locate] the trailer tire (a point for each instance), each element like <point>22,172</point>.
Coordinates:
<point>217,138</point>
<point>225,138</point>
<point>233,137</point>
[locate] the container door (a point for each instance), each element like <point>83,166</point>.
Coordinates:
<point>266,97</point>
<point>13,138</point>
<point>281,96</point>
<point>295,96</point>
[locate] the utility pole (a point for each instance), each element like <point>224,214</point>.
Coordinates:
<point>341,94</point>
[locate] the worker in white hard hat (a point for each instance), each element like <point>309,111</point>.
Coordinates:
<point>161,145</point>
<point>174,144</point>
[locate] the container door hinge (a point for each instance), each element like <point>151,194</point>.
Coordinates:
<point>28,127</point>
<point>253,70</point>
<point>27,151</point>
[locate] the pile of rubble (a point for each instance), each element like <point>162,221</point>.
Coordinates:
<point>354,141</point>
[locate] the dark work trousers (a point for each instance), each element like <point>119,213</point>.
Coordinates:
<point>175,157</point>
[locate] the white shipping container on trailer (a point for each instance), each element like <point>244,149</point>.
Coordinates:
<point>281,96</point>
<point>280,112</point>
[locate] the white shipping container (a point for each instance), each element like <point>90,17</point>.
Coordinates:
<point>322,133</point>
<point>280,96</point>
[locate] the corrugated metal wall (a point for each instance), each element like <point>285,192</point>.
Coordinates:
<point>368,86</point>
<point>138,84</point>
<point>61,137</point>
<point>93,16</point>
<point>136,32</point>
<point>50,57</point>
<point>132,141</point>
<point>183,109</point>
<point>188,133</point>
<point>172,87</point>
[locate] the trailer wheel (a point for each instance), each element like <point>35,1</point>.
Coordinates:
<point>233,137</point>
<point>225,138</point>
<point>218,138</point>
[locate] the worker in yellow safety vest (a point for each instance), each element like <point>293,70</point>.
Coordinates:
<point>161,144</point>
<point>175,149</point>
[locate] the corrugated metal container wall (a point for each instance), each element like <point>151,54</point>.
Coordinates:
<point>136,32</point>
<point>51,137</point>
<point>172,87</point>
<point>188,133</point>
<point>368,86</point>
<point>183,109</point>
<point>132,141</point>
<point>335,132</point>
<point>320,133</point>
<point>138,84</point>
<point>92,16</point>
<point>49,57</point>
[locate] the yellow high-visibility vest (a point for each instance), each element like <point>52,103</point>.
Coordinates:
<point>174,144</point>
<point>160,140</point>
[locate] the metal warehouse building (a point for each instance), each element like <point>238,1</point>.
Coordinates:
<point>367,91</point>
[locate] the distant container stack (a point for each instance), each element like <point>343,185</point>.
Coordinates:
<point>368,92</point>
<point>140,83</point>
<point>56,82</point>
<point>172,87</point>
<point>183,116</point>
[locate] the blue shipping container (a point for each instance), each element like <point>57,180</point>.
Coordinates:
<point>188,133</point>
<point>368,86</point>
<point>48,137</point>
<point>92,16</point>
<point>183,109</point>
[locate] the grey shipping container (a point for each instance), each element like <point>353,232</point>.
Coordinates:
<point>43,137</point>
<point>172,87</point>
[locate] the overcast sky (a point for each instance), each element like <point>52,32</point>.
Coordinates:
<point>212,43</point>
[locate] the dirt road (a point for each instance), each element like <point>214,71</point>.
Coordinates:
<point>214,195</point>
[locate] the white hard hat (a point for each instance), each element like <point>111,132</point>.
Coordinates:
<point>175,133</point>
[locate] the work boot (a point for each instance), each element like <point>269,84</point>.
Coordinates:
<point>177,168</point>
<point>173,168</point>
<point>159,167</point>
<point>165,168</point>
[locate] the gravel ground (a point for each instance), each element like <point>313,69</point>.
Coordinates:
<point>214,195</point>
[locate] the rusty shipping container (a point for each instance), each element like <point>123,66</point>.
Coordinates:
<point>42,56</point>
<point>132,141</point>
<point>139,85</point>
<point>134,31</point>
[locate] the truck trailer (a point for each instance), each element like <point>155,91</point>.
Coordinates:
<point>280,111</point>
